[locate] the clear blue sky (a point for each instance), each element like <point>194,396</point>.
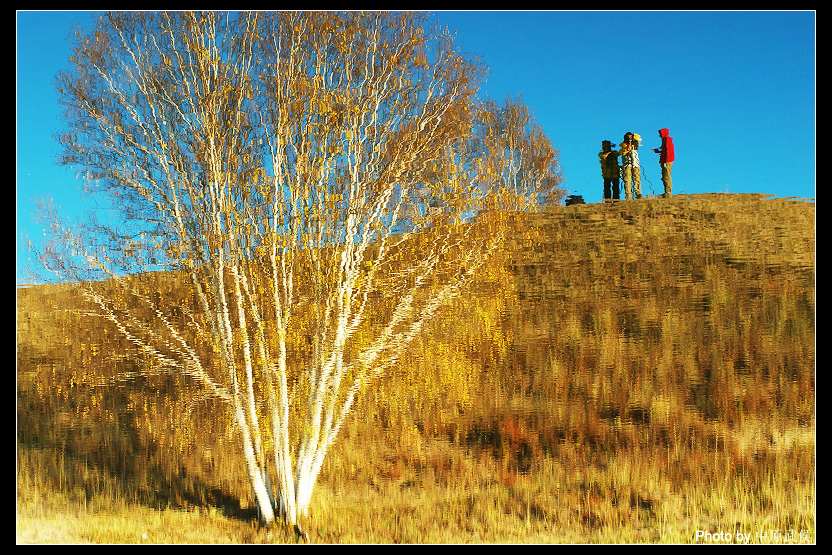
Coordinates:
<point>736,89</point>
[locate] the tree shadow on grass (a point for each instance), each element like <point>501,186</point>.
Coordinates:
<point>110,457</point>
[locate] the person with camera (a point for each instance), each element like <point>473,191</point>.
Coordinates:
<point>666,158</point>
<point>631,166</point>
<point>609,170</point>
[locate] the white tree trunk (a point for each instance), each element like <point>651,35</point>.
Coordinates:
<point>255,474</point>
<point>304,495</point>
<point>261,492</point>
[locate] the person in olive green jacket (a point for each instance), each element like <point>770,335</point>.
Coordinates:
<point>609,170</point>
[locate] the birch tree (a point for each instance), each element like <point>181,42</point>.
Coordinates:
<point>521,162</point>
<point>317,183</point>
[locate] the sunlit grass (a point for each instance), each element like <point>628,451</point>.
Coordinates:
<point>625,373</point>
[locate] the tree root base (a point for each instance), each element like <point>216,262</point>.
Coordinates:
<point>301,534</point>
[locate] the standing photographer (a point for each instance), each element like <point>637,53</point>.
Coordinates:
<point>631,166</point>
<point>666,158</point>
<point>609,170</point>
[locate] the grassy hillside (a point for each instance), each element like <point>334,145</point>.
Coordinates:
<point>631,372</point>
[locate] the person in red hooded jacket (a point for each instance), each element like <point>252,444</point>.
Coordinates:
<point>666,158</point>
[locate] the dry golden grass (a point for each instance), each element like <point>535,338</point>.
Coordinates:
<point>618,373</point>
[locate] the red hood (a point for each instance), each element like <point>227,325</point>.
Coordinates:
<point>667,154</point>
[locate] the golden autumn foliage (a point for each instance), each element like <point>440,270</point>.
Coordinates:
<point>315,179</point>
